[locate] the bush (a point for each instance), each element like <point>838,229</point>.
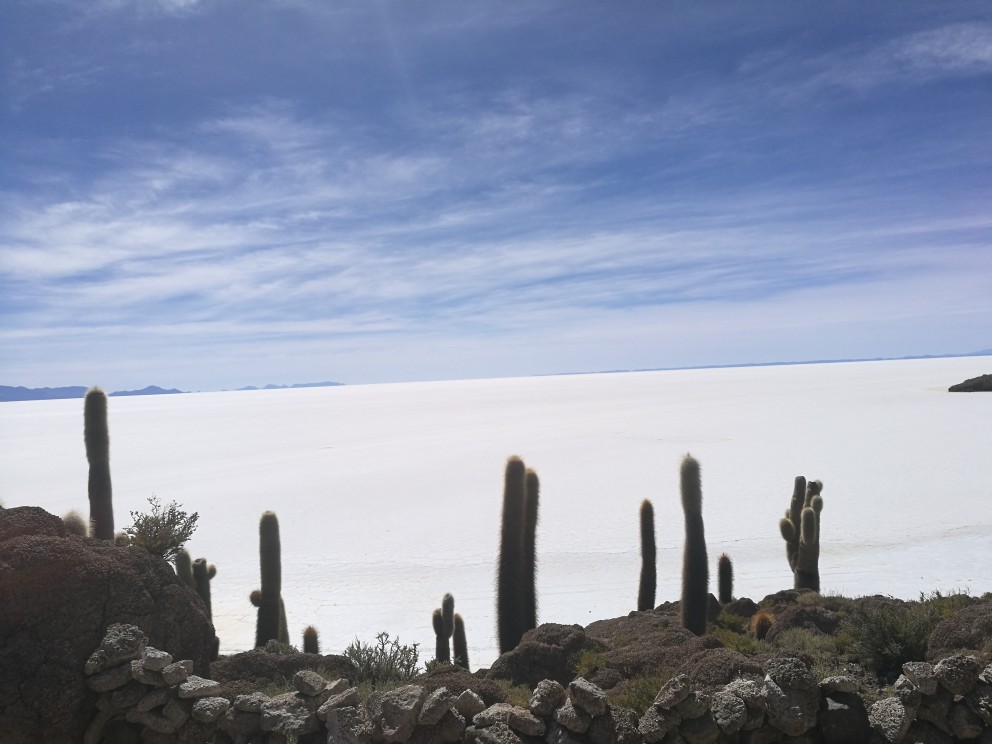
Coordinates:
<point>639,693</point>
<point>887,635</point>
<point>164,531</point>
<point>384,661</point>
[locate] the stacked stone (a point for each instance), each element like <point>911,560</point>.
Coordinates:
<point>143,685</point>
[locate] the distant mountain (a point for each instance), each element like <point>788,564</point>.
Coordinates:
<point>8,393</point>
<point>295,385</point>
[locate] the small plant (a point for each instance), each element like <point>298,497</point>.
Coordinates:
<point>744,644</point>
<point>810,641</point>
<point>163,531</point>
<point>383,661</point>
<point>637,694</point>
<point>518,695</point>
<point>887,635</point>
<point>275,646</point>
<point>589,662</point>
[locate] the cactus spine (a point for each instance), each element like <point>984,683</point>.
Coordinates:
<point>649,567</point>
<point>311,640</point>
<point>528,579</point>
<point>509,607</point>
<point>202,574</point>
<point>461,645</point>
<point>97,437</point>
<point>800,528</point>
<point>725,578</point>
<point>269,597</point>
<point>695,572</point>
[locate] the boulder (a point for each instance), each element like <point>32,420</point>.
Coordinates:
<point>519,719</point>
<point>244,673</point>
<point>793,696</point>
<point>843,718</point>
<point>547,696</point>
<point>891,719</point>
<point>549,651</point>
<point>958,673</point>
<point>969,628</point>
<point>394,713</point>
<point>458,680</point>
<point>587,696</point>
<point>61,592</point>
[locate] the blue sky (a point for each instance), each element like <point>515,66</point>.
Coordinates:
<point>212,193</point>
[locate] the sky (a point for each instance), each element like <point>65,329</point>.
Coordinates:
<point>207,194</point>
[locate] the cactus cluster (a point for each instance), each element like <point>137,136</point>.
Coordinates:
<point>800,528</point>
<point>97,437</point>
<point>649,568</point>
<point>695,572</point>
<point>196,575</point>
<point>516,595</point>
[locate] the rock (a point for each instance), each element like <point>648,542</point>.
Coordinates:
<point>935,708</point>
<point>240,724</point>
<point>250,671</point>
<point>549,651</point>
<point>843,718</point>
<point>519,719</point>
<point>729,712</point>
<point>982,383</point>
<point>177,672</point>
<point>906,691</point>
<point>700,730</point>
<point>448,730</point>
<point>742,607</point>
<point>656,723</point>
<point>210,709</point>
<point>347,699</point>
<point>394,714</point>
<point>921,674</point>
<point>958,674</point>
<point>673,692</point>
<point>291,714</point>
<point>498,733</point>
<point>110,679</point>
<point>348,725</point>
<point>197,687</point>
<point>154,698</point>
<point>435,706</point>
<point>980,701</point>
<point>468,704</point>
<point>968,628</point>
<point>122,698</point>
<point>587,696</point>
<point>309,683</point>
<point>755,698</point>
<point>713,667</point>
<point>921,732</point>
<point>812,618</point>
<point>121,643</point>
<point>154,660</point>
<point>616,726</point>
<point>574,719</point>
<point>547,696</point>
<point>251,703</point>
<point>558,734</point>
<point>146,676</point>
<point>964,722</point>
<point>891,719</point>
<point>336,687</point>
<point>695,705</point>
<point>457,679</point>
<point>838,684</point>
<point>793,696</point>
<point>61,594</point>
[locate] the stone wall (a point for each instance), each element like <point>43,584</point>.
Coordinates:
<point>144,695</point>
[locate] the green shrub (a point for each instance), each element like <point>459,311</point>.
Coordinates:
<point>887,635</point>
<point>589,662</point>
<point>814,643</point>
<point>733,622</point>
<point>164,531</point>
<point>637,694</point>
<point>383,661</point>
<point>515,694</point>
<point>744,644</point>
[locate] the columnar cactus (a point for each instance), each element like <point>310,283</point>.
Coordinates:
<point>184,568</point>
<point>461,644</point>
<point>442,652</point>
<point>800,528</point>
<point>725,578</point>
<point>311,640</point>
<point>269,597</point>
<point>695,572</point>
<point>528,579</point>
<point>97,437</point>
<point>649,568</point>
<point>202,574</point>
<point>510,610</point>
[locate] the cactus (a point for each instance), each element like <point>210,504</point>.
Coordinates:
<point>202,574</point>
<point>184,568</point>
<point>269,596</point>
<point>442,652</point>
<point>97,438</point>
<point>311,640</point>
<point>695,572</point>
<point>75,524</point>
<point>761,623</point>
<point>448,614</point>
<point>649,568</point>
<point>800,528</point>
<point>528,577</point>
<point>461,645</point>
<point>509,609</point>
<point>283,625</point>
<point>725,578</point>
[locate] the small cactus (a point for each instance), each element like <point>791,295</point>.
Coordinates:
<point>649,567</point>
<point>75,524</point>
<point>725,578</point>
<point>97,438</point>
<point>695,572</point>
<point>311,640</point>
<point>461,645</point>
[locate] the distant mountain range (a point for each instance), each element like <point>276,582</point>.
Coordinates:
<point>296,385</point>
<point>8,393</point>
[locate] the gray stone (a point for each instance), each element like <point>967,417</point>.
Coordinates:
<point>907,691</point>
<point>147,676</point>
<point>498,733</point>
<point>587,696</point>
<point>155,660</point>
<point>157,722</point>
<point>790,674</point>
<point>922,732</point>
<point>177,672</point>
<point>755,697</point>
<point>729,711</point>
<point>964,722</point>
<point>986,675</point>
<point>558,734</point>
<point>94,731</point>
<point>435,706</point>
<point>921,675</point>
<point>792,710</point>
<point>291,714</point>
<point>574,719</point>
<point>177,711</point>
<point>843,718</point>
<point>251,703</point>
<point>935,708</point>
<point>240,724</point>
<point>891,719</point>
<point>468,704</point>
<point>337,687</point>
<point>154,698</point>
<point>700,730</point>
<point>673,692</point>
<point>547,696</point>
<point>394,714</point>
<point>980,701</point>
<point>838,684</point>
<point>197,687</point>
<point>617,726</point>
<point>958,674</point>
<point>656,723</point>
<point>122,698</point>
<point>348,725</point>
<point>110,679</point>
<point>519,719</point>
<point>448,730</point>
<point>120,643</point>
<point>210,709</point>
<point>309,683</point>
<point>695,705</point>
<point>347,699</point>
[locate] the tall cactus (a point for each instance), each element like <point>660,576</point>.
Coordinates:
<point>528,578</point>
<point>800,528</point>
<point>649,560</point>
<point>725,578</point>
<point>461,644</point>
<point>184,568</point>
<point>202,574</point>
<point>695,572</point>
<point>269,598</point>
<point>442,652</point>
<point>510,610</point>
<point>97,437</point>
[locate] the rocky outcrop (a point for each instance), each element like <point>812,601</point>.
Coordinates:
<point>969,628</point>
<point>243,673</point>
<point>982,383</point>
<point>550,651</point>
<point>60,594</point>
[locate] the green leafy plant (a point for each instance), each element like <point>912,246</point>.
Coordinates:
<point>383,661</point>
<point>162,531</point>
<point>886,635</point>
